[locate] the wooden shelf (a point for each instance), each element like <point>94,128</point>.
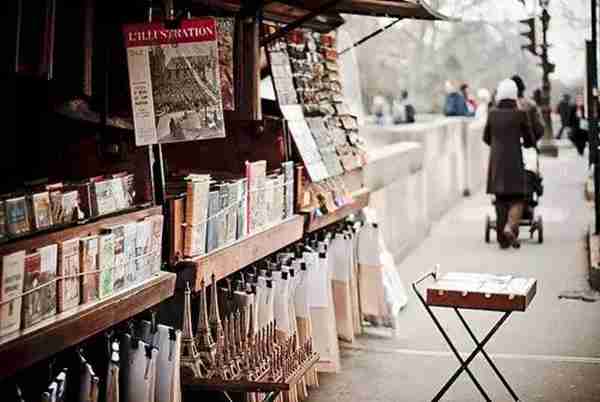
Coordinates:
<point>33,240</point>
<point>361,200</point>
<point>252,386</point>
<point>232,258</point>
<point>39,342</point>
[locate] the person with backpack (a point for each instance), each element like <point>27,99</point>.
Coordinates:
<point>403,111</point>
<point>455,104</point>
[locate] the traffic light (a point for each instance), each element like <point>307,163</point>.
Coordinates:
<point>545,19</point>
<point>530,35</point>
<point>547,67</point>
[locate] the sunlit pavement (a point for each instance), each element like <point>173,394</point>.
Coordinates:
<point>549,353</point>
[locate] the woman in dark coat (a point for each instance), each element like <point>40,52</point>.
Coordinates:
<point>507,129</point>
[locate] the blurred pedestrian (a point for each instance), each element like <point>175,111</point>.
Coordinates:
<point>506,129</point>
<point>402,110</point>
<point>484,102</point>
<point>466,93</point>
<point>455,104</point>
<point>530,107</point>
<point>378,109</point>
<point>577,135</point>
<point>564,110</point>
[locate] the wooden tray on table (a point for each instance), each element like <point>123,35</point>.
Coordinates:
<point>482,291</point>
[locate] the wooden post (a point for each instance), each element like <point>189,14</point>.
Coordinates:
<point>247,62</point>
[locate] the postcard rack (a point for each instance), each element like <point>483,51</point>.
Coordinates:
<point>36,239</point>
<point>29,346</point>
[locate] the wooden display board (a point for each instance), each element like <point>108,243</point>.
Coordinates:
<point>72,327</point>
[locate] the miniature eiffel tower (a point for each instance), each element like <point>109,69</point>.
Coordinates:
<point>206,345</point>
<point>214,319</point>
<point>190,358</point>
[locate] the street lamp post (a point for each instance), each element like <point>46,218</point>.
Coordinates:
<point>592,109</point>
<point>547,146</point>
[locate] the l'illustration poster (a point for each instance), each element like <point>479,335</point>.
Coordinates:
<point>174,81</point>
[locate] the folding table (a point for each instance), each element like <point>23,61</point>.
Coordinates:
<point>456,290</point>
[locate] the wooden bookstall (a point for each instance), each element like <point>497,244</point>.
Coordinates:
<point>67,83</point>
<point>73,82</point>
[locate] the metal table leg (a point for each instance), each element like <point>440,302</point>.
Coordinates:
<point>487,357</point>
<point>465,364</point>
<point>454,350</point>
<point>478,349</point>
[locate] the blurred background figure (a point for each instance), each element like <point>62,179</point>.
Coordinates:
<point>577,135</point>
<point>455,104</point>
<point>471,103</point>
<point>564,110</point>
<point>402,110</point>
<point>379,109</point>
<point>484,100</point>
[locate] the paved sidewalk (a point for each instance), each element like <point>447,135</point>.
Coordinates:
<point>549,353</point>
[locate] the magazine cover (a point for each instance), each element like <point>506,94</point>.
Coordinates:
<point>49,266</point>
<point>156,243</point>
<point>104,200</point>
<point>175,81</point>
<point>68,268</point>
<point>42,216</point>
<point>119,272</point>
<point>130,233</point>
<point>11,276</point>
<point>32,301</point>
<point>88,264</point>
<point>17,218</point>
<point>106,264</point>
<point>256,174</point>
<point>142,248</point>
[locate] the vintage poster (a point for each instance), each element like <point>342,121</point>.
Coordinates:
<point>226,30</point>
<point>174,79</point>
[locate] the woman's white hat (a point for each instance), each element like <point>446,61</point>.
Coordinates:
<point>507,89</point>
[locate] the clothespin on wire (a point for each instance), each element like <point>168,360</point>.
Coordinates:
<point>370,36</point>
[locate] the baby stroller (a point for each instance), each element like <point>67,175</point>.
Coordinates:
<point>534,191</point>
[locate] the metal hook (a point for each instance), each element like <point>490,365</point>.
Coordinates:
<point>153,322</point>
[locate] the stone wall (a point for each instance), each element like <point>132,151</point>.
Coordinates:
<point>418,172</point>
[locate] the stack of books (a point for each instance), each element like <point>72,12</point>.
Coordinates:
<point>37,284</point>
<point>221,209</point>
<point>41,207</point>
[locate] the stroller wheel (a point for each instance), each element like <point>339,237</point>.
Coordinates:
<point>487,228</point>
<point>540,229</point>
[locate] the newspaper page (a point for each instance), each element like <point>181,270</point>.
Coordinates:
<point>174,81</point>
